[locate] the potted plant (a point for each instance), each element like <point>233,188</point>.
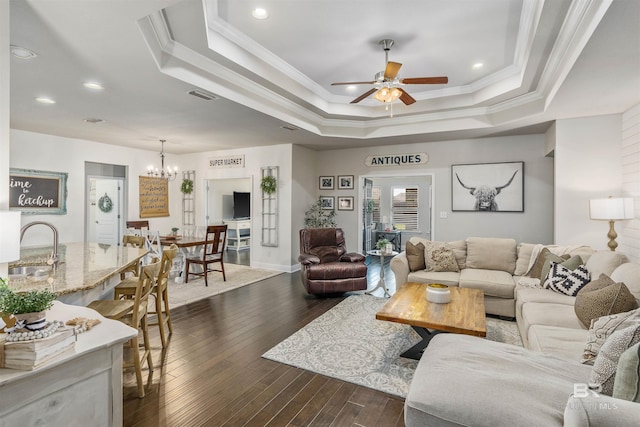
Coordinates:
<point>174,231</point>
<point>268,184</point>
<point>187,186</point>
<point>382,244</point>
<point>27,307</point>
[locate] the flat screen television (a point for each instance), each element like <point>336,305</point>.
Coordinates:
<point>241,205</point>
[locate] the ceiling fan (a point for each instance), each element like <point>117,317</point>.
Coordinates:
<point>386,82</point>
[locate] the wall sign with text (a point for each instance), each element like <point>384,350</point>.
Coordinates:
<point>411,159</point>
<point>234,161</point>
<point>38,192</point>
<point>154,197</point>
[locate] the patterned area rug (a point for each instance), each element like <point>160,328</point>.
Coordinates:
<point>237,276</point>
<point>349,344</point>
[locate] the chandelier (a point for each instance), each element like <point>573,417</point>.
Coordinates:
<point>167,174</point>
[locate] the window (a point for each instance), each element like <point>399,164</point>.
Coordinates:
<point>375,197</point>
<point>404,207</point>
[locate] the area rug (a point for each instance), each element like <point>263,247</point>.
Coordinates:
<point>348,343</point>
<point>237,276</point>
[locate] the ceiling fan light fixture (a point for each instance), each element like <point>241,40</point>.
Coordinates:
<point>387,95</point>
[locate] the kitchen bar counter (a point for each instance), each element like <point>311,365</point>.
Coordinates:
<point>86,271</point>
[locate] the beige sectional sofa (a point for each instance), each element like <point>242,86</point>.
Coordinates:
<point>470,381</point>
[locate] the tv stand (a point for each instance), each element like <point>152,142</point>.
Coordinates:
<point>238,233</point>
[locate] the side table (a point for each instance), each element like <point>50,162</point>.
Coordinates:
<point>381,283</point>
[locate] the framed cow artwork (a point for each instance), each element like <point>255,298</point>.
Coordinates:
<point>488,187</point>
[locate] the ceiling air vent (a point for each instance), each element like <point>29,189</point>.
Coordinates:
<point>289,127</point>
<point>202,94</point>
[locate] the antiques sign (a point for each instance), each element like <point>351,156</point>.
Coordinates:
<point>38,192</point>
<point>234,161</point>
<point>154,197</point>
<point>397,159</point>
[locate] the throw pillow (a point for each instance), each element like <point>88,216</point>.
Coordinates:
<point>602,327</point>
<point>603,297</point>
<point>565,281</point>
<point>536,268</point>
<point>439,257</point>
<point>604,369</point>
<point>544,273</point>
<point>415,256</point>
<point>627,383</point>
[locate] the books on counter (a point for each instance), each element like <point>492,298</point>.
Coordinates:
<point>28,355</point>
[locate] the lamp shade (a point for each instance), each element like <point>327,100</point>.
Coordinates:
<point>10,236</point>
<point>612,208</point>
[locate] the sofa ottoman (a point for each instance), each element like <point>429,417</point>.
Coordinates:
<point>469,381</point>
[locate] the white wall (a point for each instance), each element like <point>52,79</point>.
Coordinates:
<point>31,150</point>
<point>4,112</point>
<point>587,166</point>
<point>535,224</point>
<point>629,231</point>
<point>304,193</point>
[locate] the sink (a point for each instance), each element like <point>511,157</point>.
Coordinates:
<point>34,271</point>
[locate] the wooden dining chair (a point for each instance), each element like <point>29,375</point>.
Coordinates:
<point>134,312</point>
<point>132,241</point>
<point>138,225</point>
<point>212,253</point>
<point>127,289</point>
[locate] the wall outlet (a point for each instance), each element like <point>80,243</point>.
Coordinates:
<point>443,214</point>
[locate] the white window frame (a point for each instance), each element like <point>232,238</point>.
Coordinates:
<point>410,211</point>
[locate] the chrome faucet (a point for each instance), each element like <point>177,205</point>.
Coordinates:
<point>53,261</point>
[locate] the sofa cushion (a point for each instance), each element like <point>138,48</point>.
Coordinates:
<point>603,297</point>
<point>446,278</point>
<point>490,253</point>
<point>525,295</point>
<point>415,256</point>
<point>438,256</point>
<point>604,369</point>
<point>493,282</point>
<point>336,270</point>
<point>604,262</point>
<point>563,342</point>
<point>525,251</point>
<point>459,248</point>
<point>449,386</point>
<point>627,383</point>
<point>548,314</point>
<point>602,327</point>
<point>326,253</point>
<point>629,274</point>
<point>565,281</point>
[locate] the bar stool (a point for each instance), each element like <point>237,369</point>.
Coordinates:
<point>127,288</point>
<point>129,240</point>
<point>133,312</point>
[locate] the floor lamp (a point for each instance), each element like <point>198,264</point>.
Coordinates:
<point>612,209</point>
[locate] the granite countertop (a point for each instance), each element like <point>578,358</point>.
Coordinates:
<point>81,266</point>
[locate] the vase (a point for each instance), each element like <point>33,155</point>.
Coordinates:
<point>32,321</point>
<point>437,293</point>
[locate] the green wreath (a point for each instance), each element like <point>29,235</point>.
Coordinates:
<point>187,186</point>
<point>268,184</point>
<point>105,204</point>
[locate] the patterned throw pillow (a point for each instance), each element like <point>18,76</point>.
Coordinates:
<point>438,256</point>
<point>604,369</point>
<point>602,327</point>
<point>603,297</point>
<point>415,256</point>
<point>565,281</point>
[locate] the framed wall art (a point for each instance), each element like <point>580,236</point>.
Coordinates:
<point>327,202</point>
<point>488,187</point>
<point>38,192</point>
<point>345,203</point>
<point>326,183</point>
<point>345,182</point>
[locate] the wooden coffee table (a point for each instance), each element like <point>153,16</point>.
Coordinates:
<point>464,314</point>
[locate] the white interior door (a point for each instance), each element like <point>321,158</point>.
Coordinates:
<point>107,226</point>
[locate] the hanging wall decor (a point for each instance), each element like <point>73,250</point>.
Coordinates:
<point>105,204</point>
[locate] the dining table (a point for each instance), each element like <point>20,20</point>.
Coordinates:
<point>185,243</point>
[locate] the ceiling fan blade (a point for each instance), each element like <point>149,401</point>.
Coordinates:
<point>352,83</point>
<point>363,96</point>
<point>406,98</point>
<point>392,69</point>
<point>425,81</point>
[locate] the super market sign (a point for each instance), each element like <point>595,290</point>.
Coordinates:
<point>397,159</point>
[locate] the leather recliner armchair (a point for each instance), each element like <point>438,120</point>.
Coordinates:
<point>326,266</point>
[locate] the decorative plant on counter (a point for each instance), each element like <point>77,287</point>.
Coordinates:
<point>316,217</point>
<point>268,184</point>
<point>27,307</point>
<point>382,243</point>
<point>187,186</point>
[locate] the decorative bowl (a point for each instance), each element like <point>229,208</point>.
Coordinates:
<point>438,293</point>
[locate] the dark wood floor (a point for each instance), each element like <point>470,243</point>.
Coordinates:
<point>212,374</point>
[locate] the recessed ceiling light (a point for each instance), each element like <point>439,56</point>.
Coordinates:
<point>22,53</point>
<point>260,13</point>
<point>45,100</point>
<point>93,120</point>
<point>351,88</point>
<point>93,85</point>
<point>477,65</point>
